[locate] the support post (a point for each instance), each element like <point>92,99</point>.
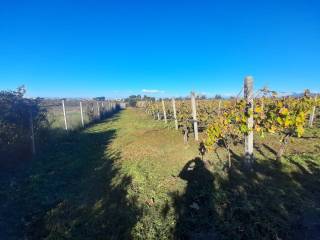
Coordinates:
<point>98,110</point>
<point>194,116</point>
<point>248,95</point>
<point>64,115</point>
<point>312,114</point>
<point>219,108</point>
<point>175,113</point>
<point>81,113</point>
<point>164,112</point>
<point>158,110</point>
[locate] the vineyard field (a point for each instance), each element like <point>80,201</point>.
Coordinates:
<point>160,120</point>
<point>229,122</point>
<point>132,177</point>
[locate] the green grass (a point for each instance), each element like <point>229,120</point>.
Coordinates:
<point>131,177</point>
<point>56,118</point>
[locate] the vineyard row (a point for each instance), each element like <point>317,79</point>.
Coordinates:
<point>235,120</point>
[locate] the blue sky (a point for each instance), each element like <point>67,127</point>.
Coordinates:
<point>116,48</point>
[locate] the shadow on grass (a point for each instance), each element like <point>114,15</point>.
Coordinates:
<point>74,190</point>
<point>196,206</point>
<point>270,149</point>
<point>278,200</point>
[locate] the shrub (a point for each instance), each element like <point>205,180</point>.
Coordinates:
<point>16,113</point>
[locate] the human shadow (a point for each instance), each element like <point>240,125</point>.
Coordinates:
<point>74,190</point>
<point>276,200</point>
<point>194,209</point>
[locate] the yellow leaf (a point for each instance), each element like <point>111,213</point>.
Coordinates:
<point>279,120</point>
<point>284,111</point>
<point>287,122</point>
<point>258,109</point>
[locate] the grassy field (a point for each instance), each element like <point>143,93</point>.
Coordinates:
<point>131,177</point>
<point>56,118</point>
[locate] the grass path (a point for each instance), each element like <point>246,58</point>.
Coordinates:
<point>131,177</point>
<point>95,184</point>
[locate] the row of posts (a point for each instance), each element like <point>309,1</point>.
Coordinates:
<point>111,107</point>
<point>249,97</point>
<point>248,94</point>
<point>194,114</point>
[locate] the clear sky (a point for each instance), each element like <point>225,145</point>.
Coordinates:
<point>116,48</point>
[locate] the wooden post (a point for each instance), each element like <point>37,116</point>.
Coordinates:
<point>175,113</point>
<point>248,94</point>
<point>219,108</point>
<point>64,116</point>
<point>81,113</point>
<point>146,110</point>
<point>194,116</point>
<point>98,110</point>
<point>107,106</point>
<point>312,114</point>
<point>33,146</point>
<point>164,112</point>
<point>92,110</point>
<point>158,110</point>
<point>103,109</point>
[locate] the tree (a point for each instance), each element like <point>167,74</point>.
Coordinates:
<point>132,100</point>
<point>202,97</point>
<point>99,98</point>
